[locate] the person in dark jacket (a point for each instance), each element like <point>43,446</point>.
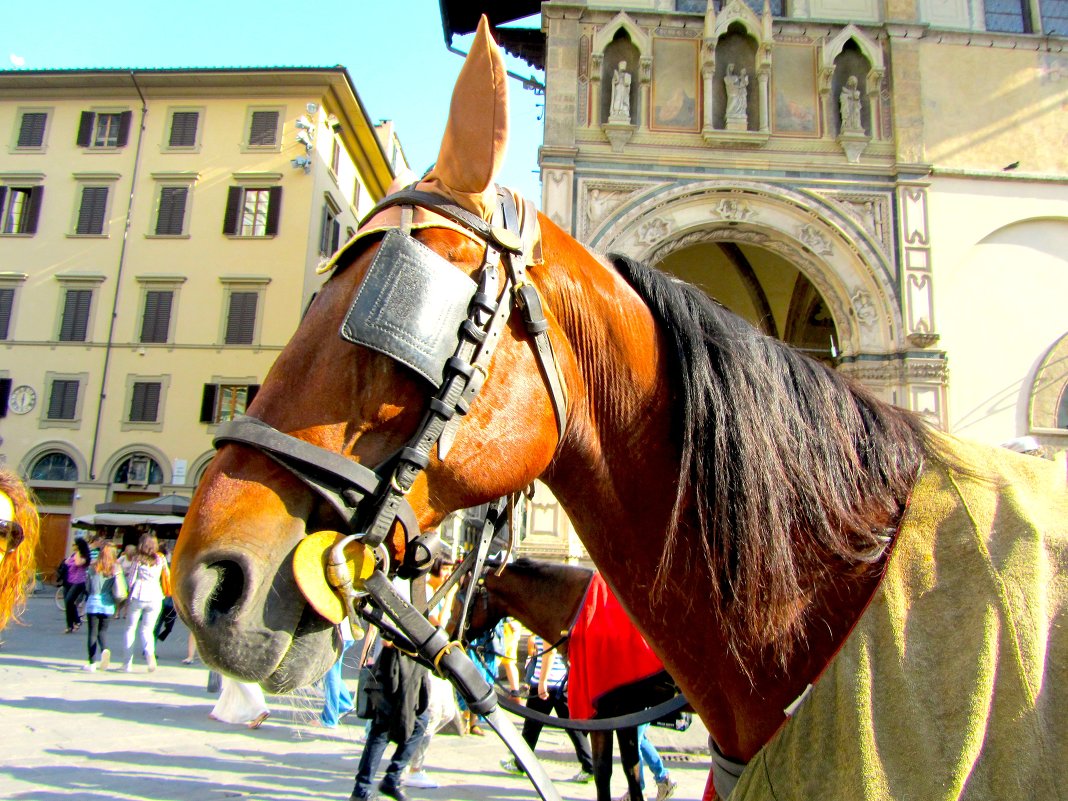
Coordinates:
<point>401,712</point>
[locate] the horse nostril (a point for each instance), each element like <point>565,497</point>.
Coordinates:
<point>229,586</point>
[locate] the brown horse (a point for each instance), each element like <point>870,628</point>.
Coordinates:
<point>776,532</point>
<point>546,597</point>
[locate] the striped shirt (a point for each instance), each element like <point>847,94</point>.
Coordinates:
<point>557,672</point>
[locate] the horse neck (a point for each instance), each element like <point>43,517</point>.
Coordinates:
<point>617,382</point>
<point>545,602</point>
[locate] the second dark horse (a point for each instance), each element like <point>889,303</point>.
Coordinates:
<point>546,597</point>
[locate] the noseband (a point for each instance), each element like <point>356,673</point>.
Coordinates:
<point>420,310</point>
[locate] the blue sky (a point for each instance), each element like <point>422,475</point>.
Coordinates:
<point>395,52</point>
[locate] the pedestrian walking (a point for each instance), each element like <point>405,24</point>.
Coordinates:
<point>76,563</point>
<point>146,599</point>
<point>649,757</point>
<point>105,585</point>
<point>337,700</point>
<point>126,562</point>
<point>548,683</point>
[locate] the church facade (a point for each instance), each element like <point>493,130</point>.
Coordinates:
<point>881,184</point>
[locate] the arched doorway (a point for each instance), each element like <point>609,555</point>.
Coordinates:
<point>762,286</point>
<point>52,474</point>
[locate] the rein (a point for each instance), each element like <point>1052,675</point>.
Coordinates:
<point>459,324</point>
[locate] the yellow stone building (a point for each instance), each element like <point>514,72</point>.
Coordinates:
<point>160,232</point>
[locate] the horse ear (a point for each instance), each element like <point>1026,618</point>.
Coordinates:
<point>472,148</point>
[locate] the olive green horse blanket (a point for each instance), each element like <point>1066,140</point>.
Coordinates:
<point>954,683</point>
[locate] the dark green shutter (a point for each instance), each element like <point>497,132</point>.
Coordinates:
<point>251,396</point>
<point>264,129</point>
<point>274,209</point>
<point>32,212</point>
<point>75,324</point>
<point>241,319</point>
<point>231,219</point>
<point>157,318</point>
<point>5,394</point>
<point>207,403</point>
<point>171,217</point>
<point>91,212</point>
<point>144,406</point>
<point>7,300</point>
<point>124,128</point>
<point>63,400</point>
<point>31,129</point>
<point>85,129</point>
<point>184,129</point>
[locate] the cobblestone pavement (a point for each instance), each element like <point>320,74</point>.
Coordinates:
<point>69,734</point>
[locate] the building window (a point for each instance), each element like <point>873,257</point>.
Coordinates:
<point>170,218</point>
<point>335,157</point>
<point>104,129</point>
<point>156,321</point>
<point>263,128</point>
<point>241,317</point>
<point>183,129</point>
<point>7,303</point>
<point>74,325</point>
<point>138,470</point>
<point>92,211</point>
<point>144,402</point>
<point>223,402</point>
<point>63,399</point>
<point>54,466</point>
<point>1054,17</point>
<point>252,211</point>
<point>1008,16</point>
<point>329,231</point>
<point>32,126</point>
<point>357,191</point>
<point>20,207</point>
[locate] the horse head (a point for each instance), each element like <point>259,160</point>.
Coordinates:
<point>356,402</point>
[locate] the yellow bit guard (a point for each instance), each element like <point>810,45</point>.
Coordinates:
<point>309,569</point>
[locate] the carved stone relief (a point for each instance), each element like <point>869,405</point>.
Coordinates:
<point>652,231</point>
<point>815,240</point>
<point>732,210</point>
<point>599,200</point>
<point>864,308</point>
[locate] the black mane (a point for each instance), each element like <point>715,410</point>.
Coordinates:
<point>786,464</point>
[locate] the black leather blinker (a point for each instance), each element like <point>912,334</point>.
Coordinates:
<point>410,306</point>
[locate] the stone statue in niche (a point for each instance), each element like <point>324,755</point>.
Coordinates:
<point>849,106</point>
<point>619,110</point>
<point>737,85</point>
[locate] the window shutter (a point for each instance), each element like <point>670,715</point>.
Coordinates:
<point>251,396</point>
<point>233,211</point>
<point>335,238</point>
<point>85,129</point>
<point>63,400</point>
<point>263,131</point>
<point>171,210</point>
<point>144,406</point>
<point>7,300</point>
<point>156,322</point>
<point>124,128</point>
<point>241,320</point>
<point>91,211</point>
<point>184,129</point>
<point>3,194</point>
<point>274,209</point>
<point>31,129</point>
<point>75,325</point>
<point>324,228</point>
<point>207,403</point>
<point>33,211</point>
<point>5,394</point>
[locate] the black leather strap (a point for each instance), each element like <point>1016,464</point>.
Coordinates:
<point>596,724</point>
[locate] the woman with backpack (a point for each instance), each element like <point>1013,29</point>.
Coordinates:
<point>105,585</point>
<point>77,565</point>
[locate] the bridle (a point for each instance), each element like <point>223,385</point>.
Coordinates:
<point>466,320</point>
<point>459,323</point>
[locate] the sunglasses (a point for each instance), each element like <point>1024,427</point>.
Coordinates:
<point>11,531</point>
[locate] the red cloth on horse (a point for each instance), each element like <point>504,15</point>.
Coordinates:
<point>605,650</point>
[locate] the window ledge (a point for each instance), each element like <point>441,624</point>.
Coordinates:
<point>128,425</point>
<point>28,150</point>
<point>176,149</point>
<point>88,236</point>
<point>50,423</point>
<point>247,148</point>
<point>17,235</point>
<point>166,236</point>
<point>251,236</point>
<point>92,149</point>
